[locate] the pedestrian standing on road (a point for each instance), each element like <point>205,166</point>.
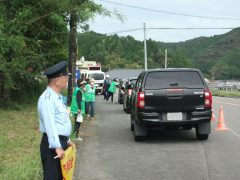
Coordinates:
<point>105,87</point>
<point>54,122</point>
<point>90,98</point>
<point>112,89</point>
<point>78,107</point>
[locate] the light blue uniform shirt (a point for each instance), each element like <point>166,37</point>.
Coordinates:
<point>53,117</point>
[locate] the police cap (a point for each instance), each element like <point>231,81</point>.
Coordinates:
<point>59,69</point>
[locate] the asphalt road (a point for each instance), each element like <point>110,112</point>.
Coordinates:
<point>109,151</point>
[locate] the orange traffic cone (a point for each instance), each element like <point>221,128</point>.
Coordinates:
<point>213,118</point>
<point>221,124</point>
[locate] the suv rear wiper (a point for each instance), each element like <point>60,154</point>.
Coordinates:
<point>173,84</point>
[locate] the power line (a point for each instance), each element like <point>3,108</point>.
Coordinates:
<point>171,13</point>
<point>123,31</point>
<point>170,28</point>
<point>192,28</point>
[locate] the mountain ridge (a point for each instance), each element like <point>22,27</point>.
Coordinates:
<point>217,56</point>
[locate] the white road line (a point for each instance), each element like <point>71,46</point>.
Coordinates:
<point>227,103</point>
<point>232,131</point>
<point>235,133</point>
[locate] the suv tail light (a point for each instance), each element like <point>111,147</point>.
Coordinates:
<point>129,92</point>
<point>141,101</point>
<point>208,99</point>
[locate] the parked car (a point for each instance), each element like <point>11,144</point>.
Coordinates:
<point>121,90</point>
<point>169,98</point>
<point>127,97</point>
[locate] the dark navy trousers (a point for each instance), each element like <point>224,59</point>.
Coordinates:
<point>51,167</point>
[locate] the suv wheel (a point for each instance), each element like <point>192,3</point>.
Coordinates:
<point>138,138</point>
<point>202,136</point>
<point>124,108</point>
<point>132,127</point>
<point>203,130</point>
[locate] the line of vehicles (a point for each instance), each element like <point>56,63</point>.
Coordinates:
<point>161,98</point>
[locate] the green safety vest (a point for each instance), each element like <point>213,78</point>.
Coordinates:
<point>112,87</point>
<point>74,104</point>
<point>89,93</point>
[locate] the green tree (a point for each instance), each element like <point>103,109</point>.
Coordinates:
<point>79,13</point>
<point>219,70</point>
<point>31,39</point>
<point>179,61</point>
<point>33,36</point>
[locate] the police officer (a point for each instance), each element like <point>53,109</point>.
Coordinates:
<point>54,122</point>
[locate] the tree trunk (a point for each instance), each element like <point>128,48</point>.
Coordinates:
<point>1,87</point>
<point>73,54</point>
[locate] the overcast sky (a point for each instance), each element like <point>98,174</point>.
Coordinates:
<point>134,18</point>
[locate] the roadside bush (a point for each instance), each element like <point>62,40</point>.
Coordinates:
<point>27,95</point>
<point>224,93</point>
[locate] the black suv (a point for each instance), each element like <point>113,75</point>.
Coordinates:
<point>173,97</point>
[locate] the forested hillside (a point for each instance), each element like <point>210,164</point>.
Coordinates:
<point>218,56</point>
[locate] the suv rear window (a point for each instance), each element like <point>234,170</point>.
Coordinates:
<point>170,79</point>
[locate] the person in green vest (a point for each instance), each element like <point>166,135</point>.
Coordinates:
<point>112,89</point>
<point>90,98</point>
<point>78,107</point>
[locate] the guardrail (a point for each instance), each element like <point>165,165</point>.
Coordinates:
<point>224,85</point>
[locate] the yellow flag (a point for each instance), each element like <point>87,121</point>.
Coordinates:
<point>68,163</point>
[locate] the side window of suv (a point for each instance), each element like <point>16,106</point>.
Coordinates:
<point>139,82</point>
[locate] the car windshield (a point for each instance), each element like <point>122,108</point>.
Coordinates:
<point>96,76</point>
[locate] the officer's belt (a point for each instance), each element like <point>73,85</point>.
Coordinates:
<point>63,138</point>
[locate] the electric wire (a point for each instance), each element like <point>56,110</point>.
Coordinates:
<point>123,31</point>
<point>170,28</point>
<point>169,12</point>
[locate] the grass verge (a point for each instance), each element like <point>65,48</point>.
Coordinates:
<point>223,93</point>
<point>19,142</point>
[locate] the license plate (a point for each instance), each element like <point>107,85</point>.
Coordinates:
<point>174,116</point>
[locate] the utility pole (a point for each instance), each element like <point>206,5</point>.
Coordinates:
<point>73,54</point>
<point>165,58</point>
<point>145,47</point>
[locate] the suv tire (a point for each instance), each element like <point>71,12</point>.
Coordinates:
<point>132,127</point>
<point>138,138</point>
<point>202,136</point>
<point>203,130</point>
<point>131,122</point>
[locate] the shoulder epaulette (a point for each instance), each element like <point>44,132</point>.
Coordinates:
<point>47,95</point>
